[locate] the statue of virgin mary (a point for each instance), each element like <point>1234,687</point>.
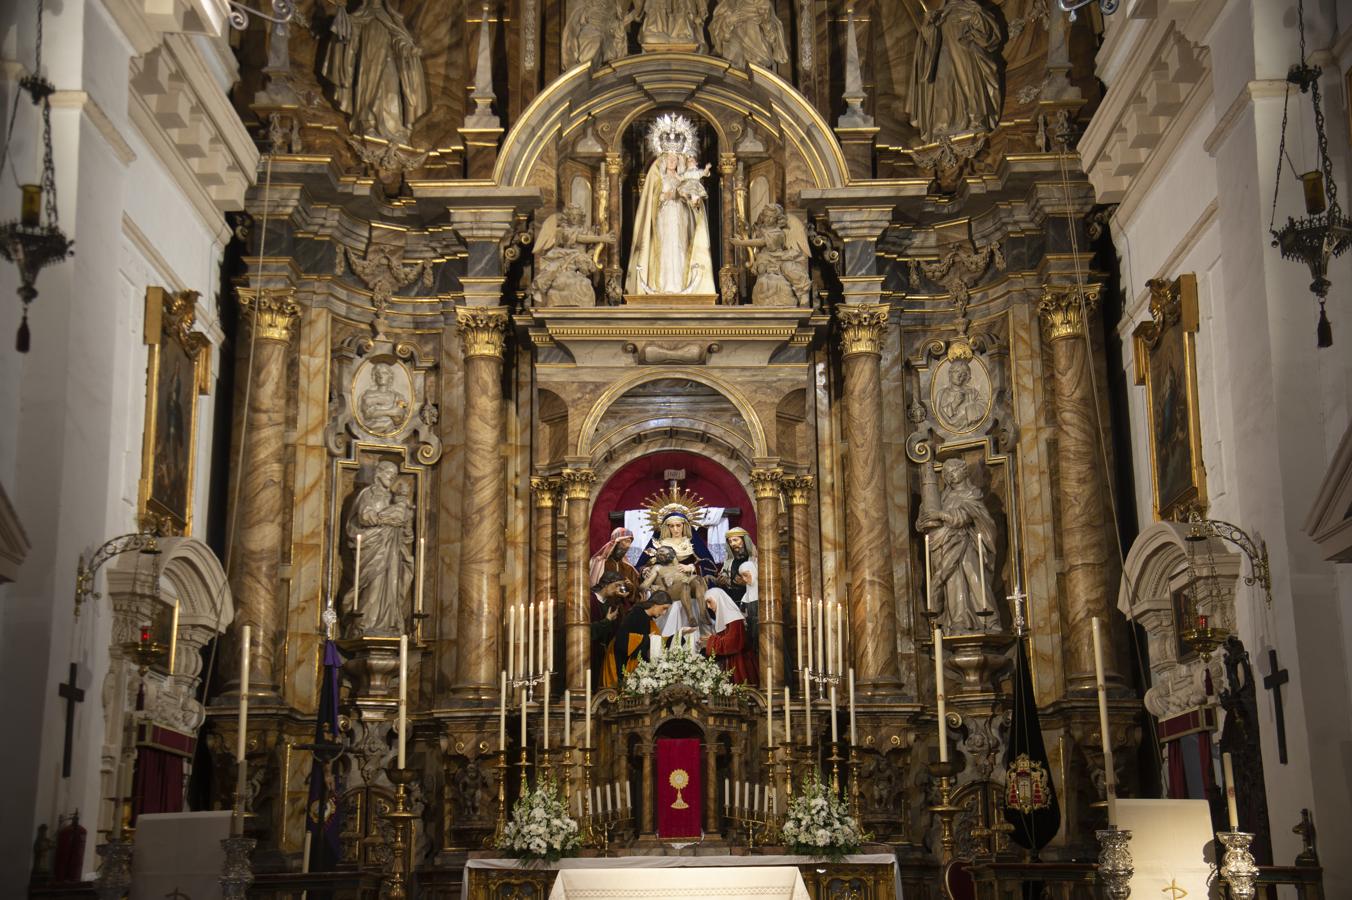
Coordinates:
<point>670,254</point>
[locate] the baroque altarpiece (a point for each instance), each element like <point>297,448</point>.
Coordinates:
<point>836,260</point>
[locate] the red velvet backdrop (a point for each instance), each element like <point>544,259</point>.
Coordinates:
<point>640,479</point>
<point>680,788</point>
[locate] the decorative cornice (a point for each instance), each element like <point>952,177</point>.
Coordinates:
<point>483,330</point>
<point>1062,310</point>
<point>546,490</point>
<point>862,327</point>
<point>799,488</point>
<point>577,483</point>
<point>271,311</point>
<point>766,482</point>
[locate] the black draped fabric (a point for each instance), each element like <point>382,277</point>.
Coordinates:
<point>631,640</point>
<point>1030,803</point>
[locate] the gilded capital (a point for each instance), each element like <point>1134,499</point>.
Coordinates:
<point>1062,312</point>
<point>614,164</point>
<point>270,311</point>
<point>765,483</point>
<point>862,327</point>
<point>577,483</point>
<point>799,488</point>
<point>483,330</point>
<point>546,490</point>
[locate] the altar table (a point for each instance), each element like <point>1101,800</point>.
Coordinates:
<point>872,876</point>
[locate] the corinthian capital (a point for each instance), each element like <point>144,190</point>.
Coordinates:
<point>1063,315</point>
<point>482,329</point>
<point>577,483</point>
<point>862,327</point>
<point>799,488</point>
<point>546,490</point>
<point>765,483</point>
<point>270,312</point>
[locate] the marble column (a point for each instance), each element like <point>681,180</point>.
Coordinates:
<point>479,616</point>
<point>256,559</point>
<point>1080,490</point>
<point>546,491</point>
<point>872,605</point>
<point>765,483</point>
<point>798,489</point>
<point>577,484</point>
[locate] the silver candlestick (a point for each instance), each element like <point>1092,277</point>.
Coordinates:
<point>237,874</point>
<point>114,876</point>
<point>1114,863</point>
<point>1238,867</point>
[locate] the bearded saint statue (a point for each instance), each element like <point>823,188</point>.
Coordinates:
<point>376,69</point>
<point>670,253</point>
<point>961,544</point>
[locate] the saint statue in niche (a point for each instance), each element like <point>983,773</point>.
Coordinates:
<point>962,549</point>
<point>666,22</point>
<point>955,85</point>
<point>596,31</point>
<point>377,71</point>
<point>670,254</point>
<point>383,516</point>
<point>565,265</point>
<point>780,246</point>
<point>748,31</point>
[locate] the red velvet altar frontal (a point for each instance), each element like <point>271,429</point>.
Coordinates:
<point>680,788</point>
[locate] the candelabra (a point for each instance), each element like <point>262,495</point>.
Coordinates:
<point>1114,863</point>
<point>500,829</point>
<point>855,806</point>
<point>114,876</point>
<point>835,760</point>
<point>395,877</point>
<point>1238,867</point>
<point>237,872</point>
<point>588,833</point>
<point>944,809</point>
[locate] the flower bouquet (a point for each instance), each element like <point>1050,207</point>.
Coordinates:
<point>679,666</point>
<point>818,823</point>
<point>540,827</point>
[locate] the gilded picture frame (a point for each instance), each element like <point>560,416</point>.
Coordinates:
<point>177,370</point>
<point>1166,364</point>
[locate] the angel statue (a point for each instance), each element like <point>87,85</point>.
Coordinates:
<point>596,31</point>
<point>779,252</point>
<point>564,266</point>
<point>748,31</point>
<point>670,253</point>
<point>377,70</point>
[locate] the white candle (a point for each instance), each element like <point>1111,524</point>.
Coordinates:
<point>628,797</point>
<point>798,628</point>
<point>540,649</point>
<point>245,636</point>
<point>511,640</point>
<point>811,645</point>
<point>981,566</point>
<point>403,696</point>
<point>755,803</point>
<point>1109,772</point>
<point>305,852</point>
<point>610,798</point>
<point>502,714</point>
<point>544,728</point>
<point>940,700</point>
<point>173,638</point>
<point>929,581</point>
<point>821,634</point>
<point>840,637</point>
<point>726,801</point>
<point>530,645</point>
<point>807,710</point>
<point>523,720</point>
<point>356,578</point>
<point>830,666</point>
<point>567,718</point>
<point>654,646</point>
<point>854,738</point>
<point>422,560</point>
<point>834,735</point>
<point>1230,807</point>
<point>788,719</point>
<point>770,705</point>
<point>586,707</point>
<point>550,643</point>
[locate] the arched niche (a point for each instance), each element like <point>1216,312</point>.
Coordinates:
<point>722,93</point>
<point>1162,569</point>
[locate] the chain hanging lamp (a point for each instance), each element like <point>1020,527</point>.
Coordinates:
<point>35,241</point>
<point>1324,233</point>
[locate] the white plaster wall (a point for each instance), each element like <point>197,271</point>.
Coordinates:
<point>1272,406</point>
<point>74,406</point>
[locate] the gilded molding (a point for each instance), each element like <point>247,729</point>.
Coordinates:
<point>483,330</point>
<point>766,482</point>
<point>799,488</point>
<point>862,327</point>
<point>546,490</point>
<point>271,311</point>
<point>577,483</point>
<point>1061,311</point>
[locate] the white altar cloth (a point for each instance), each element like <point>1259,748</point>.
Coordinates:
<point>623,863</point>
<point>648,883</point>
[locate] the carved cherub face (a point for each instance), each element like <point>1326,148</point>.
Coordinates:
<point>573,215</point>
<point>403,492</point>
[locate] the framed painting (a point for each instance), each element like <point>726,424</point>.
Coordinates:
<point>176,373</point>
<point>1166,363</point>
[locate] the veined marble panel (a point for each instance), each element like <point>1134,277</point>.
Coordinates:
<point>898,468</point>
<point>443,581</point>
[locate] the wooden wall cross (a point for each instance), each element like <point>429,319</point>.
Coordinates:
<point>1273,681</point>
<point>72,694</point>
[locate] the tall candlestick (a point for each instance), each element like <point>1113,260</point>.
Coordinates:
<point>940,700</point>
<point>567,718</point>
<point>422,560</point>
<point>586,707</point>
<point>403,696</point>
<point>530,643</point>
<point>770,705</point>
<point>245,635</point>
<point>511,640</point>
<point>1230,807</point>
<point>502,714</point>
<point>788,719</point>
<point>1109,772</point>
<point>929,581</point>
<point>854,739</point>
<point>356,577</point>
<point>544,723</point>
<point>173,638</point>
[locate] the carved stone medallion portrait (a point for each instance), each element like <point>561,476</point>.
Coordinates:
<point>381,396</point>
<point>961,394</point>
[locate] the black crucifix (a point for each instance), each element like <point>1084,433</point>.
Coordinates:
<point>1273,681</point>
<point>72,695</point>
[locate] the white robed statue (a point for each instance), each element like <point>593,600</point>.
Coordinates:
<point>671,254</point>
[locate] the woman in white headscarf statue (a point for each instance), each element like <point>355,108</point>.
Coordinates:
<point>731,644</point>
<point>670,254</point>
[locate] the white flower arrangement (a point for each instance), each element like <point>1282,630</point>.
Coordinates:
<point>818,823</point>
<point>679,666</point>
<point>540,827</point>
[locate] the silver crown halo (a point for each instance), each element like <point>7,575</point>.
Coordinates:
<point>672,133</point>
